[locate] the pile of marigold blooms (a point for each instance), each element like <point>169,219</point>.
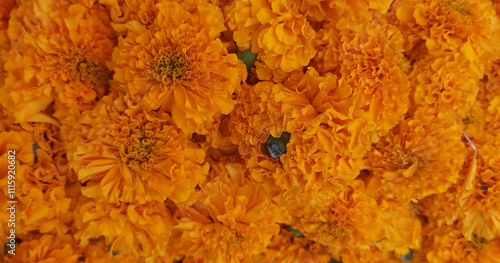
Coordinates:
<point>251,130</point>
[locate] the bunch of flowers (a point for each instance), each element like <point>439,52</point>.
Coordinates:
<point>250,130</point>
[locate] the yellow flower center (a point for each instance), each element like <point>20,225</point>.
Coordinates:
<point>169,65</point>
<point>140,149</point>
<point>330,232</point>
<point>96,74</point>
<point>79,67</point>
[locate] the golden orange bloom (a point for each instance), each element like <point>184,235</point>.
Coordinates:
<point>446,84</point>
<point>43,201</point>
<point>286,248</point>
<point>60,57</point>
<point>135,156</point>
<point>473,198</point>
<point>129,228</point>
<point>97,251</point>
<point>180,66</point>
<point>469,28</point>
<point>419,157</point>
<point>446,244</point>
<point>123,13</point>
<point>401,226</point>
<point>275,30</point>
<point>351,220</point>
<point>46,248</point>
<point>375,253</point>
<point>255,117</point>
<point>233,220</point>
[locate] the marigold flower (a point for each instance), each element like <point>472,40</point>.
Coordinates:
<point>374,253</point>
<point>285,247</point>
<point>275,30</point>
<point>255,117</point>
<point>315,166</point>
<point>43,202</point>
<point>401,226</point>
<point>447,84</point>
<point>135,156</point>
<point>367,59</point>
<point>446,244</point>
<point>419,157</point>
<point>192,80</point>
<point>350,220</point>
<point>464,27</point>
<point>46,248</point>
<point>130,228</point>
<point>60,57</point>
<point>233,220</point>
<point>97,251</point>
<point>130,11</point>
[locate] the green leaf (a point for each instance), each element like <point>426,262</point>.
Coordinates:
<point>277,146</point>
<point>247,57</point>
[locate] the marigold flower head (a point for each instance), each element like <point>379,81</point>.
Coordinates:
<point>464,27</point>
<point>99,252</point>
<point>349,221</point>
<point>46,248</point>
<point>315,166</point>
<point>374,253</point>
<point>135,156</point>
<point>58,59</point>
<point>401,226</point>
<point>446,244</point>
<point>285,247</point>
<point>130,11</point>
<point>447,84</point>
<point>367,59</point>
<point>275,30</point>
<point>236,220</point>
<point>415,159</point>
<point>255,117</point>
<point>192,79</point>
<point>43,202</point>
<point>130,228</point>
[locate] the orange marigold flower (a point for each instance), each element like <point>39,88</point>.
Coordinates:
<point>419,157</point>
<point>135,156</point>
<point>233,220</point>
<point>446,244</point>
<point>179,65</point>
<point>43,202</point>
<point>130,11</point>
<point>129,228</point>
<point>401,226</point>
<point>447,84</point>
<point>46,248</point>
<point>375,253</point>
<point>319,161</point>
<point>350,220</point>
<point>60,56</point>
<point>464,27</point>
<point>367,58</point>
<point>474,199</point>
<point>255,117</point>
<point>97,251</point>
<point>275,30</point>
<point>287,248</point>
